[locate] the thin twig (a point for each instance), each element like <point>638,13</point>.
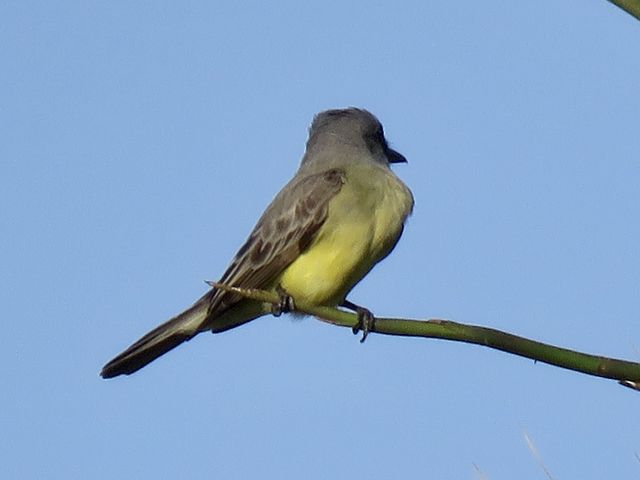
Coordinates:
<point>632,7</point>
<point>627,373</point>
<point>536,455</point>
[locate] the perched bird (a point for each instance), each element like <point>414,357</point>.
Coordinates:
<point>342,212</point>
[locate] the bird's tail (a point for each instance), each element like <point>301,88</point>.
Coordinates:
<point>159,341</point>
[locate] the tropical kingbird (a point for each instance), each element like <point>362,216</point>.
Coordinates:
<point>342,212</point>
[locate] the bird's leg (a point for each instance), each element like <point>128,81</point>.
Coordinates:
<point>366,320</point>
<point>285,303</point>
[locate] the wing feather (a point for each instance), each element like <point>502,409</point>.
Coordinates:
<point>286,229</point>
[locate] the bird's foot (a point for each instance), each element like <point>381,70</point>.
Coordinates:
<point>285,303</point>
<point>366,319</point>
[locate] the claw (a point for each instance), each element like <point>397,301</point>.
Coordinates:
<point>366,323</point>
<point>366,319</point>
<point>285,303</point>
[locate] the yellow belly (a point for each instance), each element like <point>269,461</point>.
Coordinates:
<point>363,223</point>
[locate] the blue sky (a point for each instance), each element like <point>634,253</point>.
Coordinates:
<point>141,141</point>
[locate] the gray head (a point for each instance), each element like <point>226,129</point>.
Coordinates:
<point>349,131</point>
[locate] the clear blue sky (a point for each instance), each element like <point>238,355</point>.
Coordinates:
<point>140,142</point>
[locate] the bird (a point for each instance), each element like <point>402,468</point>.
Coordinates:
<point>343,211</point>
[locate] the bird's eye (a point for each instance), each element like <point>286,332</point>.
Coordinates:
<point>381,138</point>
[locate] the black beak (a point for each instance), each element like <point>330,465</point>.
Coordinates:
<point>395,157</point>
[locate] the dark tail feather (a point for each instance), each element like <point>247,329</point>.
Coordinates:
<point>158,341</point>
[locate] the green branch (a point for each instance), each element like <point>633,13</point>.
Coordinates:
<point>627,373</point>
<point>632,7</point>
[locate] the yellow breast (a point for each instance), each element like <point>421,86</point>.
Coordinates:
<point>363,223</point>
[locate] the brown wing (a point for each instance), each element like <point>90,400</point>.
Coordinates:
<point>285,229</point>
